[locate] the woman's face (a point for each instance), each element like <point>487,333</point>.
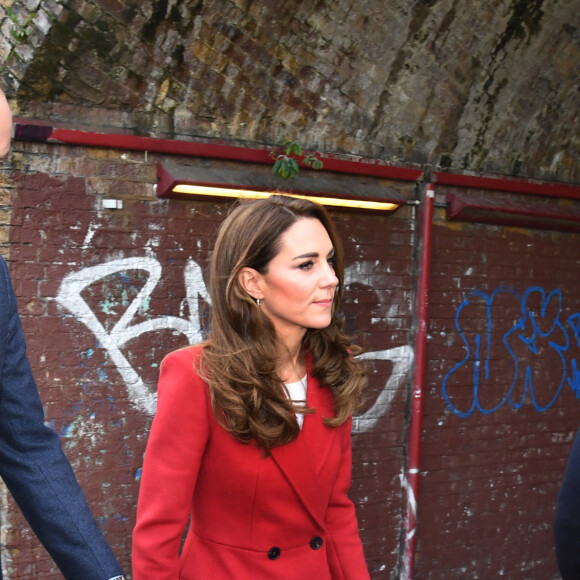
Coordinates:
<point>297,290</point>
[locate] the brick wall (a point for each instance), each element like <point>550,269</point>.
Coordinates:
<point>422,83</point>
<point>418,81</point>
<point>494,445</point>
<point>78,269</point>
<point>501,407</point>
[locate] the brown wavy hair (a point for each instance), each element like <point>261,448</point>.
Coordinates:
<point>239,360</point>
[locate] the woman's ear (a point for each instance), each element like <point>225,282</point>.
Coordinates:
<point>251,281</point>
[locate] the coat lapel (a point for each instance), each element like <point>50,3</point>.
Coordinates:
<point>302,460</point>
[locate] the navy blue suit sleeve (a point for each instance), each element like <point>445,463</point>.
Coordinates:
<point>34,466</point>
<point>567,521</point>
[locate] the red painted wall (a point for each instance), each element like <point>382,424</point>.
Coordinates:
<point>105,294</point>
<point>502,405</point>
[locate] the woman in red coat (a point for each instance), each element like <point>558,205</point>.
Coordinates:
<point>251,439</point>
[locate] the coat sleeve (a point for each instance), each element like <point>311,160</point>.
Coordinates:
<point>34,466</point>
<point>173,456</point>
<point>345,553</point>
<point>567,521</point>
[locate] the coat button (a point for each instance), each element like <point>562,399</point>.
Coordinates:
<point>274,553</point>
<point>316,543</point>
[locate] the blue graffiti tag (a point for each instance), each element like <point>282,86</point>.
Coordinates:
<point>504,365</point>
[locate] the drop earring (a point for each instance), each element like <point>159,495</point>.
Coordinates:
<point>258,302</point>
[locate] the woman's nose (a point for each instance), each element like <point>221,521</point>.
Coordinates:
<point>329,278</point>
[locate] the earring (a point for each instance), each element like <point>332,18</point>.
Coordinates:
<point>258,302</point>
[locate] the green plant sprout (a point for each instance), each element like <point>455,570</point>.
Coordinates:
<point>20,32</point>
<point>287,164</point>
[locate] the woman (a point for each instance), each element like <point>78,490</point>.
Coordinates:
<point>251,439</point>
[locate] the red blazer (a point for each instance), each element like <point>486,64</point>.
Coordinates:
<point>284,517</point>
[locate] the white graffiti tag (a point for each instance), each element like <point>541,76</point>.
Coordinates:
<point>142,396</point>
<point>401,357</point>
<point>69,297</point>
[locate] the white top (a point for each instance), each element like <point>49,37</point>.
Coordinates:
<point>297,392</point>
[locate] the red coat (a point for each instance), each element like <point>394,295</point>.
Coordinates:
<point>284,517</point>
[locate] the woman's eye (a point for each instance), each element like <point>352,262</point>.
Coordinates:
<point>306,265</point>
<point>332,262</point>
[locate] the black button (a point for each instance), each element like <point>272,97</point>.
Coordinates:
<point>274,553</point>
<point>316,543</point>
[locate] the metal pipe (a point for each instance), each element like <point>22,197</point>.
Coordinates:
<point>44,131</point>
<point>416,418</point>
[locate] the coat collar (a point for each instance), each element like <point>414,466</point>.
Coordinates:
<point>302,460</point>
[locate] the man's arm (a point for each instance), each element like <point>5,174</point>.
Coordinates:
<point>34,467</point>
<point>32,462</point>
<point>567,521</point>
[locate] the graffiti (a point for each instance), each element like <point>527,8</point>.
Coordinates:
<point>69,297</point>
<point>517,348</point>
<point>401,357</point>
<point>112,339</point>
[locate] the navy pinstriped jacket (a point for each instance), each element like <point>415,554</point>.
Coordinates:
<point>34,467</point>
<point>567,522</point>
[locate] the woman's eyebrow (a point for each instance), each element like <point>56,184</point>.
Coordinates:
<point>308,255</point>
<point>313,255</point>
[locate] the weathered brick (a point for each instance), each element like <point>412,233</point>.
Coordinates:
<point>409,82</point>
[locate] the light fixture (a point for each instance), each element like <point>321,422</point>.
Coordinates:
<point>348,192</point>
<point>498,210</point>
